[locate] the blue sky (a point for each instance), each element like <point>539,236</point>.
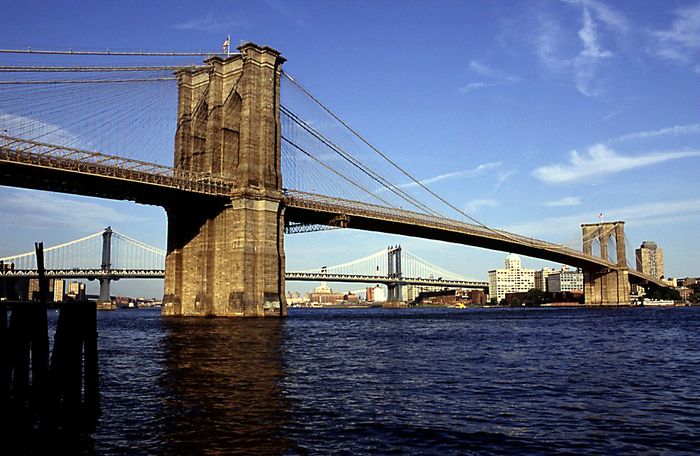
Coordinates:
<point>532,116</point>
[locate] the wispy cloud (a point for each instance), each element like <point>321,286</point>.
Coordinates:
<point>475,205</point>
<point>610,17</point>
<point>676,130</point>
<point>547,45</point>
<point>211,23</point>
<point>482,168</point>
<point>30,209</point>
<point>584,67</point>
<point>681,41</point>
<point>565,201</point>
<point>651,213</point>
<point>472,86</point>
<point>28,127</point>
<point>614,113</point>
<point>502,177</point>
<point>600,160</point>
<point>493,77</point>
<point>283,8</point>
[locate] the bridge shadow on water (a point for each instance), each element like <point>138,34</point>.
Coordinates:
<point>222,389</point>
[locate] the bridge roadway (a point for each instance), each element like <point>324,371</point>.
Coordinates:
<point>116,274</point>
<point>43,166</point>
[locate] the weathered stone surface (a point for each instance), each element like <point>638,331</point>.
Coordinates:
<point>228,259</point>
<point>607,286</point>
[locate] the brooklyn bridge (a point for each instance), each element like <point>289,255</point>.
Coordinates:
<point>249,167</point>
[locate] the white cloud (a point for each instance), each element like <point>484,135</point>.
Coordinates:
<point>547,45</point>
<point>599,160</point>
<point>32,209</point>
<point>210,23</point>
<point>502,177</point>
<point>614,113</point>
<point>482,168</point>
<point>676,130</point>
<point>584,67</point>
<point>612,18</point>
<point>681,40</point>
<point>485,70</point>
<point>475,205</point>
<point>565,201</point>
<point>472,86</point>
<point>30,128</point>
<point>660,212</point>
<point>495,77</point>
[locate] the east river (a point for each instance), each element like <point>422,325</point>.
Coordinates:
<point>400,381</point>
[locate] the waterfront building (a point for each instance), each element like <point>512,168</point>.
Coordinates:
<point>76,291</point>
<point>565,280</point>
<point>650,259</point>
<point>323,294</point>
<point>541,278</point>
<point>411,292</point>
<point>512,279</point>
<point>58,290</point>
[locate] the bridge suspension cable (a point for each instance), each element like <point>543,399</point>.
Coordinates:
<point>354,162</point>
<point>404,172</point>
<point>125,110</point>
<point>86,254</point>
<point>88,69</point>
<point>376,264</point>
<point>111,53</point>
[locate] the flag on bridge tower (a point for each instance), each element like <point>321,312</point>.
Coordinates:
<point>600,217</point>
<point>227,46</point>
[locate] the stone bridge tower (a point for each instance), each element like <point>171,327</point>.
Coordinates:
<point>226,258</point>
<point>609,286</point>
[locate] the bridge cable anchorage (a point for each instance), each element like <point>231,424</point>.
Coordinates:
<point>114,53</point>
<point>385,157</point>
<point>357,163</point>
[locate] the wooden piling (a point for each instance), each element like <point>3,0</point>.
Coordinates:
<point>74,368</point>
<point>65,393</point>
<point>4,357</point>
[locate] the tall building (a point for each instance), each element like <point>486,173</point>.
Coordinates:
<point>650,259</point>
<point>513,279</point>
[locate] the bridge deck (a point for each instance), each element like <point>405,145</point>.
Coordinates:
<point>116,274</point>
<point>320,209</point>
<point>43,166</point>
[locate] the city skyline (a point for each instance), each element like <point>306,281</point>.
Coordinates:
<point>531,117</point>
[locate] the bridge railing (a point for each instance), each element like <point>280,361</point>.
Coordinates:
<point>47,155</point>
<point>297,198</point>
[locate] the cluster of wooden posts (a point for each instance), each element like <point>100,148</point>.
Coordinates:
<point>56,388</point>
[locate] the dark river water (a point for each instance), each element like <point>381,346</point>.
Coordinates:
<point>400,381</point>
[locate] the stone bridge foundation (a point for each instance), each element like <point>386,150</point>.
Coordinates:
<point>227,258</point>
